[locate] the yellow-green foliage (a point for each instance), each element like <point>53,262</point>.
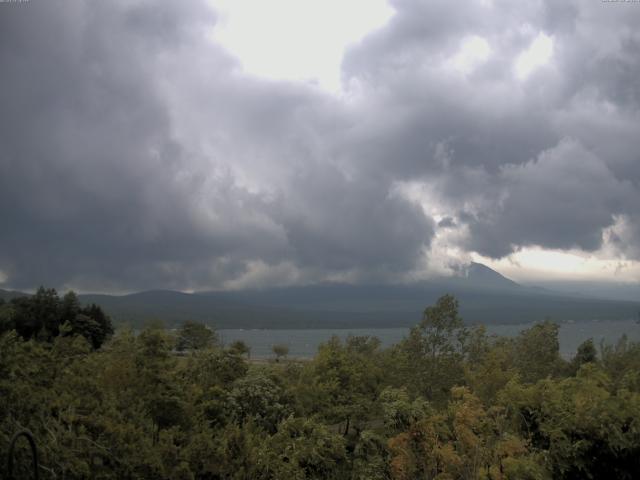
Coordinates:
<point>448,403</point>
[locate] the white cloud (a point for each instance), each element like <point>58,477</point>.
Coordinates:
<point>474,51</point>
<point>296,39</point>
<point>537,55</point>
<point>535,264</point>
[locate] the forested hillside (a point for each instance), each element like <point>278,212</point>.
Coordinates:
<point>449,402</point>
<point>485,298</point>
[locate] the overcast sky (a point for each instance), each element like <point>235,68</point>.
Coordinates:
<point>224,144</point>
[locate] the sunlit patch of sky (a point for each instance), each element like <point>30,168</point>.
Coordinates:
<point>537,55</point>
<point>299,40</point>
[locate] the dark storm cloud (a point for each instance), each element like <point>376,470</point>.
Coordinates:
<point>563,199</point>
<point>549,160</point>
<point>134,153</point>
<point>325,215</point>
<point>131,147</point>
<point>93,184</point>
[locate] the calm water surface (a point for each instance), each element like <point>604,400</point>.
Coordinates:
<point>304,343</point>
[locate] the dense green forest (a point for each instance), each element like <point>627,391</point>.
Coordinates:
<point>448,402</point>
<point>45,316</point>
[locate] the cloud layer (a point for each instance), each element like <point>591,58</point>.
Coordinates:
<point>135,153</point>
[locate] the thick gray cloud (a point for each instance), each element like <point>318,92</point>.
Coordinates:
<point>548,160</point>
<point>134,153</point>
<point>563,199</point>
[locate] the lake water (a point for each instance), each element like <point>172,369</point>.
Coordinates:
<point>304,343</point>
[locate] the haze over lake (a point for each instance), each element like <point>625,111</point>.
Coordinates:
<point>303,343</point>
